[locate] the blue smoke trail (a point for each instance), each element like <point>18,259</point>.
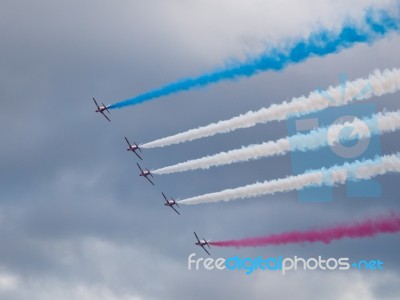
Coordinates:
<point>376,23</point>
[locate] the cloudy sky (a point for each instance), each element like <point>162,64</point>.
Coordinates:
<point>77,222</point>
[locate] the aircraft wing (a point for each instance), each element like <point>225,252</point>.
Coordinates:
<point>96,103</point>
<point>128,142</point>
<point>175,210</point>
<point>197,237</point>
<point>139,167</point>
<point>205,250</point>
<point>106,107</point>
<point>105,116</point>
<point>149,180</point>
<point>164,196</point>
<point>137,154</point>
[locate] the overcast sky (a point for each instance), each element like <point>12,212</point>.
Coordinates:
<point>76,220</point>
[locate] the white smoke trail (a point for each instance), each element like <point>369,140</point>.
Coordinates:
<point>377,84</point>
<point>317,138</point>
<point>358,170</point>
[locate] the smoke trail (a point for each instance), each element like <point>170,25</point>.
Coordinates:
<point>317,138</point>
<point>358,170</point>
<point>367,228</point>
<point>375,24</point>
<point>377,84</point>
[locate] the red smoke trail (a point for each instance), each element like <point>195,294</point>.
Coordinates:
<point>368,228</point>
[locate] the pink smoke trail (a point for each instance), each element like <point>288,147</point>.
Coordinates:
<point>367,228</point>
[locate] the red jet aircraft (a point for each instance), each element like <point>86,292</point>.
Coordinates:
<point>145,174</point>
<point>202,243</point>
<point>171,203</point>
<point>101,109</point>
<point>133,148</point>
